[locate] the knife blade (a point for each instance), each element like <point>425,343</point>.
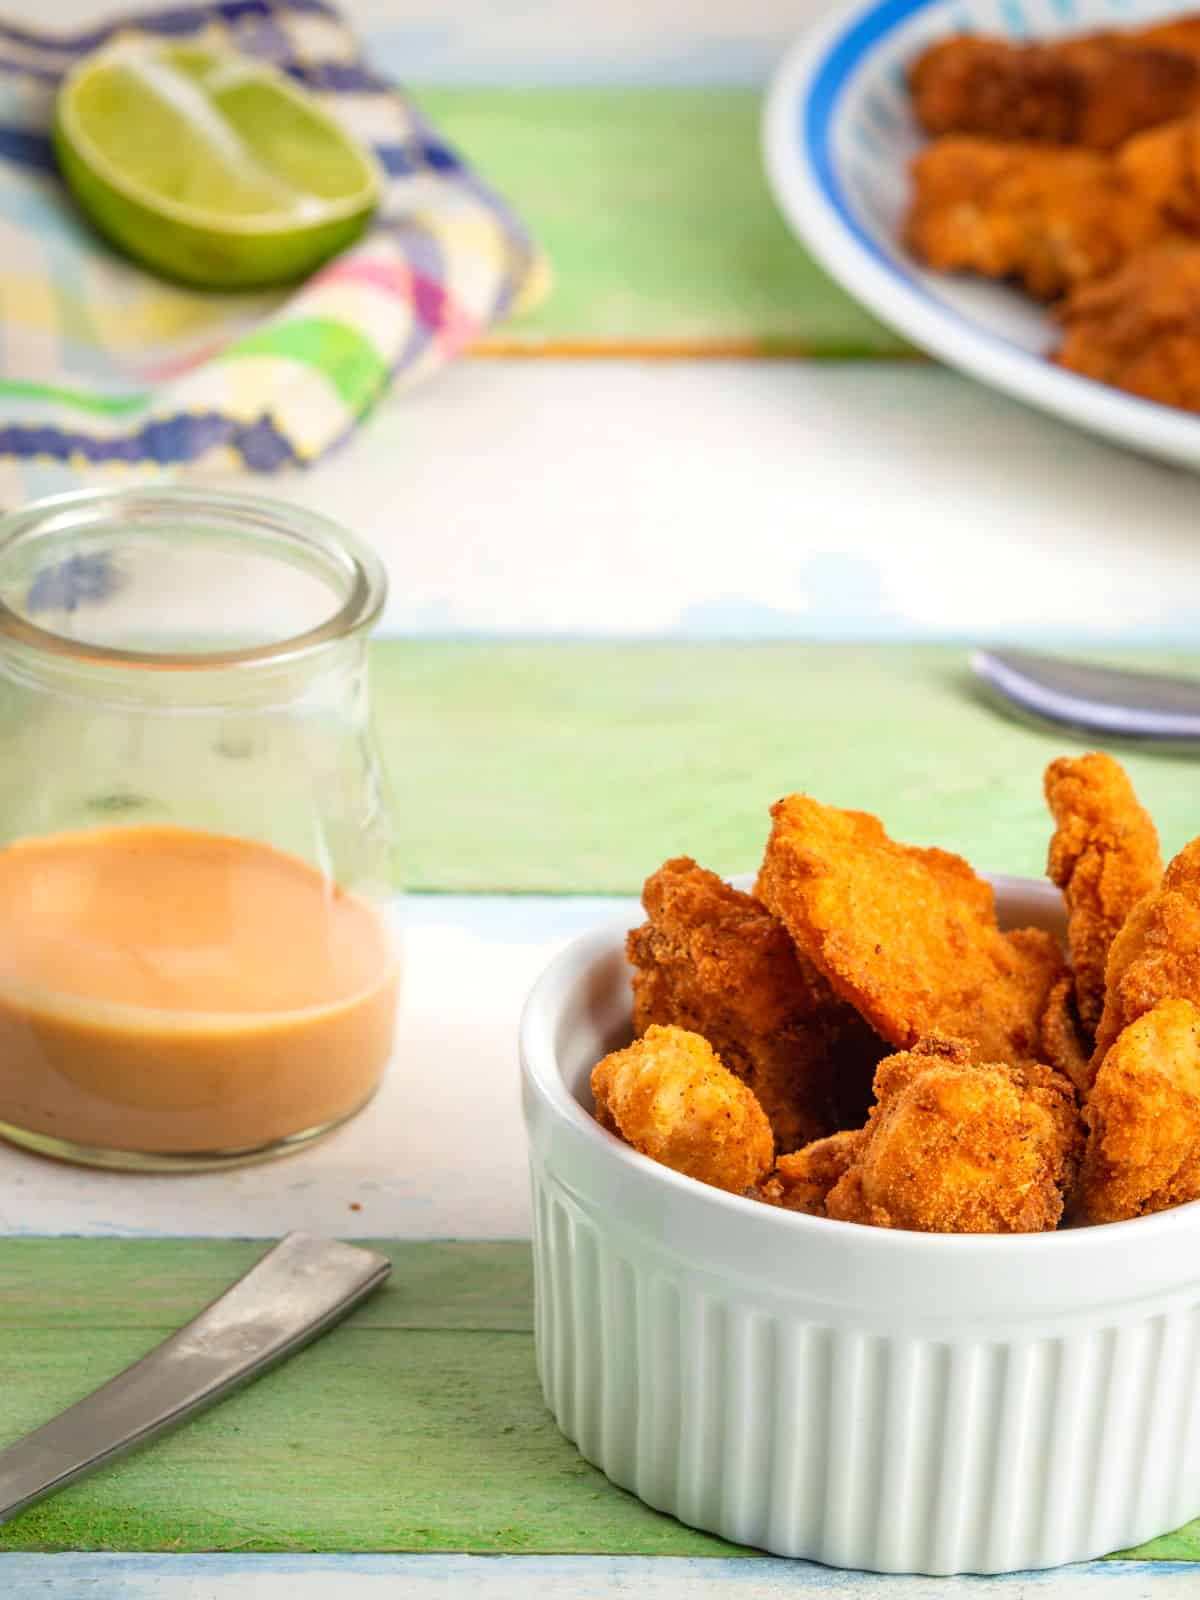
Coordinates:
<point>297,1290</point>
<point>1092,699</point>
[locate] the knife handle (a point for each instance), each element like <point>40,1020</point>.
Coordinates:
<point>296,1291</point>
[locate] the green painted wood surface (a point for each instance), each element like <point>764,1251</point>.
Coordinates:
<point>416,1425</point>
<point>579,767</point>
<point>655,212</point>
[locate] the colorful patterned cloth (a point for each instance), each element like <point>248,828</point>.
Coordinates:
<point>103,364</point>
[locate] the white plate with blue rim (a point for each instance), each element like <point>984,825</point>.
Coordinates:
<point>839,135</point>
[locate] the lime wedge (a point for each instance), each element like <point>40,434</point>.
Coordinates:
<point>211,168</point>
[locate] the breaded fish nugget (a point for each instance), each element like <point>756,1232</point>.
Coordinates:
<point>957,1146</point>
<point>802,1181</point>
<point>669,1097</point>
<point>1161,168</point>
<point>1095,90</point>
<point>1143,1116</point>
<point>1064,1045</point>
<point>1139,328</point>
<point>1104,856</point>
<point>1156,954</point>
<point>715,961</point>
<point>907,936</point>
<point>1049,218</point>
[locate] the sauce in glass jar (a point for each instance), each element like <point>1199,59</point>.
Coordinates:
<point>196,968</point>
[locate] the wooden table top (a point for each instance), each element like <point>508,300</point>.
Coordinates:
<point>783,532</point>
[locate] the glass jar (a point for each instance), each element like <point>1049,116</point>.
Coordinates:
<point>196,839</point>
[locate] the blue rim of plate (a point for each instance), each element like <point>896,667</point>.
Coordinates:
<point>816,128</point>
<point>820,105</point>
<point>828,62</point>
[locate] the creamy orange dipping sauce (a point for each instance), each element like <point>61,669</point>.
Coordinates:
<point>165,990</point>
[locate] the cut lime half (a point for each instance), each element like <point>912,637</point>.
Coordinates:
<point>211,168</point>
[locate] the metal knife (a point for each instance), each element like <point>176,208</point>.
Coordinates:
<point>1109,700</point>
<point>295,1292</point>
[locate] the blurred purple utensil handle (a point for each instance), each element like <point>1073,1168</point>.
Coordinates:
<point>1114,701</point>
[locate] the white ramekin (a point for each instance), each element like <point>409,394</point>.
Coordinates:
<point>902,1402</point>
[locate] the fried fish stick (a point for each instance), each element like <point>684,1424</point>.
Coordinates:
<point>957,1146</point>
<point>1143,1116</point>
<point>908,937</point>
<point>1096,90</point>
<point>1104,856</point>
<point>1156,954</point>
<point>669,1097</point>
<point>1046,218</point>
<point>714,960</point>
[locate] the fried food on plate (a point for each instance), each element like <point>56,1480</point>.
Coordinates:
<point>802,1181</point>
<point>1104,856</point>
<point>1095,90</point>
<point>1050,218</point>
<point>1143,1116</point>
<point>669,1097</point>
<point>1065,1046</point>
<point>1139,329</point>
<point>1162,169</point>
<point>1156,955</point>
<point>908,937</point>
<point>715,961</point>
<point>958,1146</point>
<point>1180,33</point>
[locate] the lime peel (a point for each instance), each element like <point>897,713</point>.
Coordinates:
<point>136,128</point>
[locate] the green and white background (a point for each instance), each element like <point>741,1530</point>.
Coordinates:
<point>694,533</point>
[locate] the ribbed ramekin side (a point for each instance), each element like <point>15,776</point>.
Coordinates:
<point>855,1448</point>
<point>701,1438</point>
<point>1183,1495</point>
<point>997,1456</point>
<point>542,1333</point>
<point>799,1459</point>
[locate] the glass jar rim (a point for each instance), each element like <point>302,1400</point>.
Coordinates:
<point>320,535</point>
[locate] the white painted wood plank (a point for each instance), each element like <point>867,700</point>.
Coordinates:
<point>440,1152</point>
<point>743,499</point>
<point>224,1577</point>
<point>591,41</point>
<point>720,499</point>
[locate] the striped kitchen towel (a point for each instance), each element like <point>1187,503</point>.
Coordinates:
<point>102,364</point>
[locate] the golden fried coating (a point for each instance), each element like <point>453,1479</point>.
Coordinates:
<point>957,1146</point>
<point>1156,955</point>
<point>1049,218</point>
<point>802,1181</point>
<point>1143,1116</point>
<point>1162,168</point>
<point>1139,329</point>
<point>1180,33</point>
<point>1064,1044</point>
<point>1104,856</point>
<point>669,1097</point>
<point>906,936</point>
<point>1096,90</point>
<point>715,961</point>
